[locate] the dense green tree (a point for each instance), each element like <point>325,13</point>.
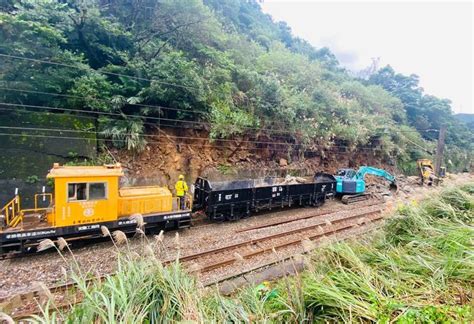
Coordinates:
<point>427,112</point>
<point>222,62</point>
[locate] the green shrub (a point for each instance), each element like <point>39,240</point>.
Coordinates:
<point>458,199</point>
<point>469,188</point>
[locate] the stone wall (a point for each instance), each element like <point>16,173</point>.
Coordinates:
<point>25,160</point>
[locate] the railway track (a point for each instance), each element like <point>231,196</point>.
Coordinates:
<point>277,261</point>
<point>251,247</point>
<point>201,222</point>
<point>295,219</point>
<point>217,258</point>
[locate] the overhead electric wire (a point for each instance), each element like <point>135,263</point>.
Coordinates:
<point>123,75</point>
<point>89,68</point>
<point>99,112</point>
<point>159,119</point>
<point>147,135</point>
<point>159,127</point>
<point>181,137</point>
<point>162,107</point>
<point>184,144</point>
<point>417,145</point>
<point>119,114</point>
<point>176,120</point>
<point>103,100</point>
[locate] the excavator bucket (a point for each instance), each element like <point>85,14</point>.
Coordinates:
<point>393,187</point>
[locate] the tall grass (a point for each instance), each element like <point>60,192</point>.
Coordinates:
<point>419,268</point>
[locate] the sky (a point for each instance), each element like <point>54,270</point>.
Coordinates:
<point>432,39</point>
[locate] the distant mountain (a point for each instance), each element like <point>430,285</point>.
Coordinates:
<point>466,118</point>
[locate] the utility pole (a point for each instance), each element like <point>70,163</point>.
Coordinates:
<point>440,149</point>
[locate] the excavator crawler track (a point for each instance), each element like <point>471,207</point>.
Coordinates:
<point>350,199</point>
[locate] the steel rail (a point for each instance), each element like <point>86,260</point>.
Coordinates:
<point>231,260</point>
<point>280,259</point>
<point>248,229</point>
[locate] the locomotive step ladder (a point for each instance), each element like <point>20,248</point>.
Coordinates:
<point>184,223</point>
<point>11,213</point>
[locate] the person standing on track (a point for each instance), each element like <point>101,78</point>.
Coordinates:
<point>181,190</point>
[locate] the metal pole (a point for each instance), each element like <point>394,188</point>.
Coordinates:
<point>440,149</point>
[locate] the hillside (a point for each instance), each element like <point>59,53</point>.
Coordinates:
<point>221,68</point>
<point>468,119</point>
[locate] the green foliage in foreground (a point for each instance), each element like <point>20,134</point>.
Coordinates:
<point>420,268</point>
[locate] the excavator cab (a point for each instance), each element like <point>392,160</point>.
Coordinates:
<point>426,172</point>
<point>350,184</point>
<point>346,173</point>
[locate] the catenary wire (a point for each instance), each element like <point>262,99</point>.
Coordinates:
<point>186,137</point>
<point>156,106</point>
<point>180,137</point>
<point>159,127</point>
<point>184,144</point>
<point>109,73</point>
<point>104,72</point>
<point>87,69</point>
<point>159,119</point>
<point>103,100</point>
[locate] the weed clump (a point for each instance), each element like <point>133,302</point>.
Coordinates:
<point>421,269</point>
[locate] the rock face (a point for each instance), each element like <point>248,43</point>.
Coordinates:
<point>165,157</point>
<point>163,162</point>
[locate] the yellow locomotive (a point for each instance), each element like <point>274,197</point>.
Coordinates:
<point>86,198</point>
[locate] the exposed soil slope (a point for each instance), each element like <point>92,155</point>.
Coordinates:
<point>171,152</point>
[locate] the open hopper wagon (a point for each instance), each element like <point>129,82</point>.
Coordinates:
<point>231,200</point>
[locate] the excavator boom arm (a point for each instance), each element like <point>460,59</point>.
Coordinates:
<point>363,170</point>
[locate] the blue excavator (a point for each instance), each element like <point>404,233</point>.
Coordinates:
<point>350,184</point>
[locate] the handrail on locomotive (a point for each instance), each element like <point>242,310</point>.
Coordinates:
<point>11,215</point>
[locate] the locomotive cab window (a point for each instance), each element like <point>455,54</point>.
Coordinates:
<point>87,191</point>
<point>77,191</point>
<point>97,191</point>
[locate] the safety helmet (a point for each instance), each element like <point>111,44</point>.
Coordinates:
<point>181,177</point>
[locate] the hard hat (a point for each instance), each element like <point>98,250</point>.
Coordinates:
<point>181,177</point>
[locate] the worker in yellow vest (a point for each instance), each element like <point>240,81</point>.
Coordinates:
<point>181,190</point>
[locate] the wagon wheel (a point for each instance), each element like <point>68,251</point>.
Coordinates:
<point>230,218</point>
<point>319,202</point>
